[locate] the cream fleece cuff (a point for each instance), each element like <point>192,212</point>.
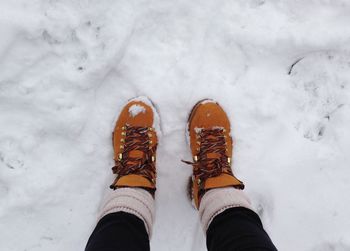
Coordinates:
<point>218,200</point>
<point>136,201</point>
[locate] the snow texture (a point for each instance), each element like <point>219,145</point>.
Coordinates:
<point>280,68</point>
<point>134,110</point>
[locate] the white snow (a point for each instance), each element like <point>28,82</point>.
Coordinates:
<point>156,119</point>
<point>206,101</point>
<point>134,110</point>
<point>198,130</point>
<point>67,67</point>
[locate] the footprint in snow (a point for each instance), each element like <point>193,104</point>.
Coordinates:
<point>263,204</point>
<point>331,246</point>
<point>321,82</point>
<point>257,3</point>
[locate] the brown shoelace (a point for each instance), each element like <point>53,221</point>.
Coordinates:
<point>136,139</point>
<point>212,141</point>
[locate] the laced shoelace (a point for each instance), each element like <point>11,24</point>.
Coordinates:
<point>136,139</point>
<point>212,141</point>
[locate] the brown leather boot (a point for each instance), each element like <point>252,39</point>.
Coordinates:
<point>211,146</point>
<point>135,144</point>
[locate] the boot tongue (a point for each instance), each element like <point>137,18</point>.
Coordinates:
<point>213,155</point>
<point>136,154</point>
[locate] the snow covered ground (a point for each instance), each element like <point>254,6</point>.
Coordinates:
<point>280,68</point>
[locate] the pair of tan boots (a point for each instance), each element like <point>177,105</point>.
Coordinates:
<point>213,186</point>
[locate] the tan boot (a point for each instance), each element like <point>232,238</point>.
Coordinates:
<point>135,144</point>
<point>211,146</point>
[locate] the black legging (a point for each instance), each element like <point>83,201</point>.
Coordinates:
<point>236,229</point>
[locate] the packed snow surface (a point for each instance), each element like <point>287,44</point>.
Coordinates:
<point>134,110</point>
<point>280,68</point>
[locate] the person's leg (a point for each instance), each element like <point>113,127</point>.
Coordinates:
<point>230,224</point>
<point>119,231</point>
<point>225,212</point>
<point>238,228</point>
<point>126,217</point>
<point>125,221</point>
